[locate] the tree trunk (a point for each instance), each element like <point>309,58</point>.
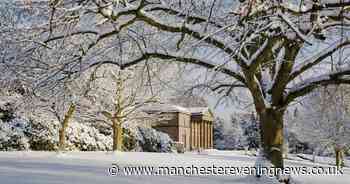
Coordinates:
<point>271,124</point>
<point>339,157</point>
<point>314,156</point>
<point>286,149</point>
<point>117,135</point>
<point>62,131</point>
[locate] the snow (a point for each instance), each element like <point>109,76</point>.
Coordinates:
<point>257,53</point>
<point>320,78</point>
<point>295,28</point>
<point>308,82</point>
<point>92,167</point>
<point>12,135</point>
<point>42,134</point>
<point>198,110</point>
<point>323,51</point>
<point>318,159</point>
<point>152,140</point>
<point>295,7</point>
<point>165,108</point>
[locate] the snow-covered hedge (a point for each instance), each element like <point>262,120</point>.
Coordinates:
<point>39,131</point>
<point>154,141</point>
<point>7,107</point>
<point>42,134</point>
<point>20,134</point>
<point>12,135</point>
<point>85,138</point>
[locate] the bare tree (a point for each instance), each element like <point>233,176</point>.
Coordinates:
<point>116,97</point>
<point>62,104</point>
<point>63,108</point>
<point>277,50</point>
<point>325,120</point>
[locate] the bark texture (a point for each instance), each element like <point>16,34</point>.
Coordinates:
<point>62,131</point>
<point>117,135</point>
<point>339,157</point>
<point>271,123</point>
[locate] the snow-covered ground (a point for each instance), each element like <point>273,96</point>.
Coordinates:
<point>92,168</point>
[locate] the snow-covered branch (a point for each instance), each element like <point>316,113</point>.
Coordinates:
<point>307,86</point>
<point>169,57</point>
<point>318,58</point>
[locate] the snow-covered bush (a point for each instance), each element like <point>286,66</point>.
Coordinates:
<point>42,134</point>
<point>7,107</point>
<point>6,113</point>
<point>79,136</point>
<point>39,131</point>
<point>296,145</point>
<point>218,132</point>
<point>154,141</point>
<point>13,135</point>
<point>242,132</point>
<point>21,134</point>
<point>141,138</point>
<point>250,128</point>
<point>84,138</point>
<point>131,138</point>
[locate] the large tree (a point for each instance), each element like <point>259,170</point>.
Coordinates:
<point>278,50</point>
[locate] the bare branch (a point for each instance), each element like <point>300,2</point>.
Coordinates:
<point>309,63</point>
<point>303,88</point>
<point>168,57</point>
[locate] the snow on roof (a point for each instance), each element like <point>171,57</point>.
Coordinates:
<point>175,108</point>
<point>198,110</point>
<point>165,108</point>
